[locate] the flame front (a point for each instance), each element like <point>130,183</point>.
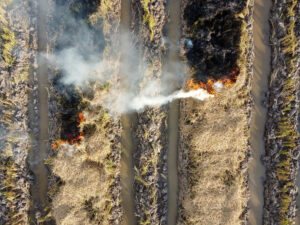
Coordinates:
<point>81,118</point>
<point>228,80</point>
<point>71,140</point>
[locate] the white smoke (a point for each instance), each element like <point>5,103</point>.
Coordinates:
<point>140,102</point>
<point>218,86</point>
<point>82,62</point>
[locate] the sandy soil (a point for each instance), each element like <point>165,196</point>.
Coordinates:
<point>261,75</point>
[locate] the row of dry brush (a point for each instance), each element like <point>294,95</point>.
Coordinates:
<point>282,137</point>
<point>18,102</point>
<point>214,134</point>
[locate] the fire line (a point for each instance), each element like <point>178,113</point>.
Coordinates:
<point>209,86</point>
<point>72,139</point>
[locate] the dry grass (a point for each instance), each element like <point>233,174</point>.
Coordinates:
<point>148,18</point>
<point>107,15</point>
<point>7,37</point>
<point>87,173</point>
<point>3,5</point>
<point>147,169</point>
<point>9,184</point>
<point>90,172</point>
<point>216,135</point>
<point>286,131</point>
<point>214,141</point>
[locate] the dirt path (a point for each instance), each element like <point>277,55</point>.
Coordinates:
<point>298,185</point>
<point>39,152</point>
<point>262,70</point>
<point>298,197</point>
<point>127,171</point>
<point>174,67</point>
<point>127,142</point>
<point>172,162</point>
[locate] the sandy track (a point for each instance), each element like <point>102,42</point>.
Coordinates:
<point>39,153</point>
<point>173,65</point>
<point>127,142</point>
<point>262,68</point>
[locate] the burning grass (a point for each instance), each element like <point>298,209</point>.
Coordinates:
<point>87,167</point>
<point>89,189</point>
<point>212,86</point>
<point>71,138</point>
<point>214,134</point>
<point>88,172</point>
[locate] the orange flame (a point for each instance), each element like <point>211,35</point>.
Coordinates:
<point>81,118</point>
<point>192,84</point>
<point>228,80</point>
<point>71,140</point>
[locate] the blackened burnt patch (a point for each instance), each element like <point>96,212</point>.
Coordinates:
<point>87,40</point>
<point>196,9</point>
<point>83,8</point>
<point>193,11</point>
<point>70,101</point>
<point>216,45</point>
<point>77,31</point>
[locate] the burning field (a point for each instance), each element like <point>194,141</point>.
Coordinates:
<point>120,112</point>
<point>71,138</point>
<point>212,171</point>
<point>93,81</point>
<point>213,86</point>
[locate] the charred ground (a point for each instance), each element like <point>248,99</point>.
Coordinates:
<point>84,164</point>
<point>216,38</point>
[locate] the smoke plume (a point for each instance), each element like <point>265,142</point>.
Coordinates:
<point>79,57</point>
<point>140,102</point>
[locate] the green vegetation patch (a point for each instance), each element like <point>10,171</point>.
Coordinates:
<point>7,37</point>
<point>9,191</point>
<point>286,131</point>
<point>148,18</point>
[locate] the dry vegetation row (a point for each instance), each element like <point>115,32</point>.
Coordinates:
<point>7,37</point>
<point>214,134</point>
<point>150,164</point>
<point>282,137</point>
<point>88,188</point>
<point>15,57</point>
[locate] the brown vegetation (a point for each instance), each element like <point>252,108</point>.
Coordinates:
<point>88,171</point>
<point>214,146</point>
<point>14,142</point>
<point>7,37</point>
<point>88,188</point>
<point>150,165</point>
<point>282,137</point>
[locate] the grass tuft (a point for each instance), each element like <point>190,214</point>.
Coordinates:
<point>149,18</point>
<point>286,131</point>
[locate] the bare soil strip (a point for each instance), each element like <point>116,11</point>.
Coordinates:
<point>40,187</point>
<point>172,162</point>
<point>127,171</point>
<point>173,66</point>
<point>127,174</point>
<point>262,68</point>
